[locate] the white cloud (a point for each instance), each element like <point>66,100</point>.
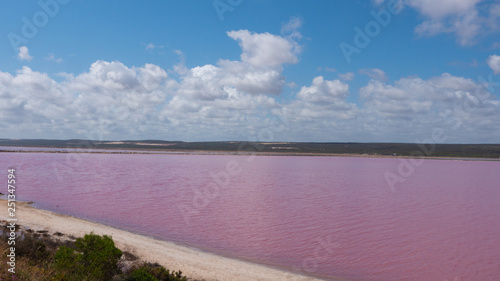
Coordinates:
<point>24,53</point>
<point>321,112</point>
<point>203,102</point>
<point>324,91</point>
<point>236,100</point>
<point>494,63</point>
<point>443,8</point>
<point>210,82</point>
<point>32,103</point>
<point>374,73</point>
<point>117,97</point>
<point>265,49</point>
<point>202,83</point>
<point>250,79</point>
<point>206,104</point>
<point>467,19</point>
<point>396,101</point>
<point>232,96</point>
<point>412,107</point>
<point>258,72</point>
<point>323,99</point>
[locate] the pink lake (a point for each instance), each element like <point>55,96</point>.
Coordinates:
<point>321,216</point>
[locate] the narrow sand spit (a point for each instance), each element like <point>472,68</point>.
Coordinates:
<point>193,263</point>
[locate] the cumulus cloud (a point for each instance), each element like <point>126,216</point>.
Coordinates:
<point>251,79</point>
<point>202,83</point>
<point>449,16</point>
<point>219,98</point>
<point>259,72</point>
<point>265,49</point>
<point>322,99</point>
<point>138,102</point>
<point>321,111</point>
<point>110,93</point>
<point>32,103</point>
<point>236,100</point>
<point>468,20</point>
<point>210,82</point>
<point>115,93</point>
<point>323,91</point>
<point>24,54</point>
<point>494,63</point>
<point>413,106</point>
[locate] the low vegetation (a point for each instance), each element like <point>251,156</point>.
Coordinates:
<point>389,149</point>
<point>90,258</point>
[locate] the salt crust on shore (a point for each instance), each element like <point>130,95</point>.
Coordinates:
<point>193,263</point>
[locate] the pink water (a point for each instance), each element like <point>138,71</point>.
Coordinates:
<point>322,216</point>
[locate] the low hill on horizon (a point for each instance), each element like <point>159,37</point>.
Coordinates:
<point>388,149</point>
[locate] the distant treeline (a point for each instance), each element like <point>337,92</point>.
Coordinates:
<point>393,149</point>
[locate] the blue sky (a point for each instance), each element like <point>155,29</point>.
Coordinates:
<point>251,70</point>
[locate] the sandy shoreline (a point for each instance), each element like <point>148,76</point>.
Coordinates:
<point>193,263</point>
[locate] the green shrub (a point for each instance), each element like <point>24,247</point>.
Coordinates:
<point>66,258</point>
<point>141,275</point>
<point>158,272</point>
<point>91,258</point>
<point>94,257</point>
<point>31,248</point>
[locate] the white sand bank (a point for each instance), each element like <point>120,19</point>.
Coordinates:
<point>193,263</point>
